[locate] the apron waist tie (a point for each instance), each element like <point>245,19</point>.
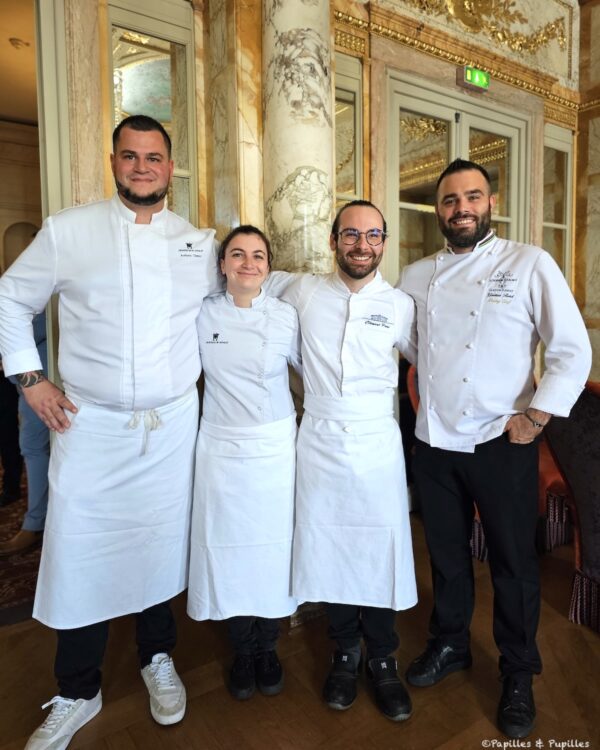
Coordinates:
<point>151,422</point>
<point>342,408</point>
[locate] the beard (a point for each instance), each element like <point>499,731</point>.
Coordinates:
<point>357,272</point>
<point>462,238</point>
<point>141,200</point>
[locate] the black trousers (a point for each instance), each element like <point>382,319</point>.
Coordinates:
<point>252,635</point>
<point>348,624</point>
<point>502,477</point>
<point>12,461</point>
<point>80,651</point>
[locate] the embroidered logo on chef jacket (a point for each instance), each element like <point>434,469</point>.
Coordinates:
<point>216,340</point>
<point>501,288</point>
<point>189,251</point>
<point>379,321</point>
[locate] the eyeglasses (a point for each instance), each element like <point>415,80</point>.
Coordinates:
<point>374,237</point>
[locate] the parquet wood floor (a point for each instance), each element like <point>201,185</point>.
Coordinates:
<point>457,714</point>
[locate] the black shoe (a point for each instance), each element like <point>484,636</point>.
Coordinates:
<point>242,680</point>
<point>516,710</point>
<point>269,673</point>
<point>339,690</point>
<point>6,498</point>
<point>390,694</point>
<point>435,663</point>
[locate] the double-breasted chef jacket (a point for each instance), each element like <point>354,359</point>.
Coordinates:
<point>116,536</point>
<point>480,317</point>
<point>352,542</point>
<point>243,510</point>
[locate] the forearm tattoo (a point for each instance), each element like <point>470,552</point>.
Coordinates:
<point>27,379</point>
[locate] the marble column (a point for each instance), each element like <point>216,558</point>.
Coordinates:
<point>298,147</point>
<point>234,123</point>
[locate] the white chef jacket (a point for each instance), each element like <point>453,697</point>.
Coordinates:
<point>129,295</point>
<point>480,318</point>
<point>339,359</point>
<point>352,542</point>
<point>243,513</point>
<point>120,483</point>
<point>245,352</point>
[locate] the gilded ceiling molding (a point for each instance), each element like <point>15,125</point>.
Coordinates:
<point>559,115</point>
<point>494,18</point>
<point>443,46</point>
<point>592,104</point>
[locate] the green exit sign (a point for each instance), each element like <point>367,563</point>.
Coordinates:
<point>473,78</point>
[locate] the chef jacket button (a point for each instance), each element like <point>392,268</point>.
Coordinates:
<point>467,413</point>
<point>466,380</point>
<point>432,345</point>
<point>440,258</point>
<point>481,282</point>
<point>474,313</point>
<point>431,377</point>
<point>347,429</point>
<point>436,283</point>
<point>469,345</point>
<point>432,407</point>
<point>432,312</point>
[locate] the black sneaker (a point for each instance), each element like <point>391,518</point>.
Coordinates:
<point>269,673</point>
<point>435,663</point>
<point>339,690</point>
<point>516,710</point>
<point>242,681</point>
<point>391,696</point>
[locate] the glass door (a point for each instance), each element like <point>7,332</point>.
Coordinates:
<point>428,129</point>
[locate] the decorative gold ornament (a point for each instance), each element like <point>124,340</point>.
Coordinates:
<point>351,42</point>
<point>410,34</point>
<point>424,172</point>
<point>495,19</point>
<point>421,128</point>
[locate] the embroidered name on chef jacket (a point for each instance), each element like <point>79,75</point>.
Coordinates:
<point>189,251</point>
<point>501,289</point>
<point>216,340</point>
<point>379,321</point>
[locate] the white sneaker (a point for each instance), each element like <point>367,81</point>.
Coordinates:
<point>66,717</point>
<point>167,693</point>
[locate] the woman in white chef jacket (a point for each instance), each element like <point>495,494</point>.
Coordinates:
<point>243,513</point>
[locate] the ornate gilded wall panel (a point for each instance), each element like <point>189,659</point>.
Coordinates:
<point>459,52</point>
<point>543,36</point>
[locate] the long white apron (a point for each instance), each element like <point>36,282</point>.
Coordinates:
<point>117,532</point>
<point>242,521</point>
<point>352,541</point>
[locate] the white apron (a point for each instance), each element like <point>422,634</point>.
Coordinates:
<point>352,542</point>
<point>242,521</point>
<point>117,532</point>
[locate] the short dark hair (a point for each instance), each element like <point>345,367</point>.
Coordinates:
<point>246,229</point>
<point>463,165</point>
<point>144,124</point>
<point>336,222</point>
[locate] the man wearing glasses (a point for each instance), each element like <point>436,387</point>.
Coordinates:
<point>352,544</point>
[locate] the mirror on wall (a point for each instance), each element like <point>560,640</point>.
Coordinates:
<point>150,78</point>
